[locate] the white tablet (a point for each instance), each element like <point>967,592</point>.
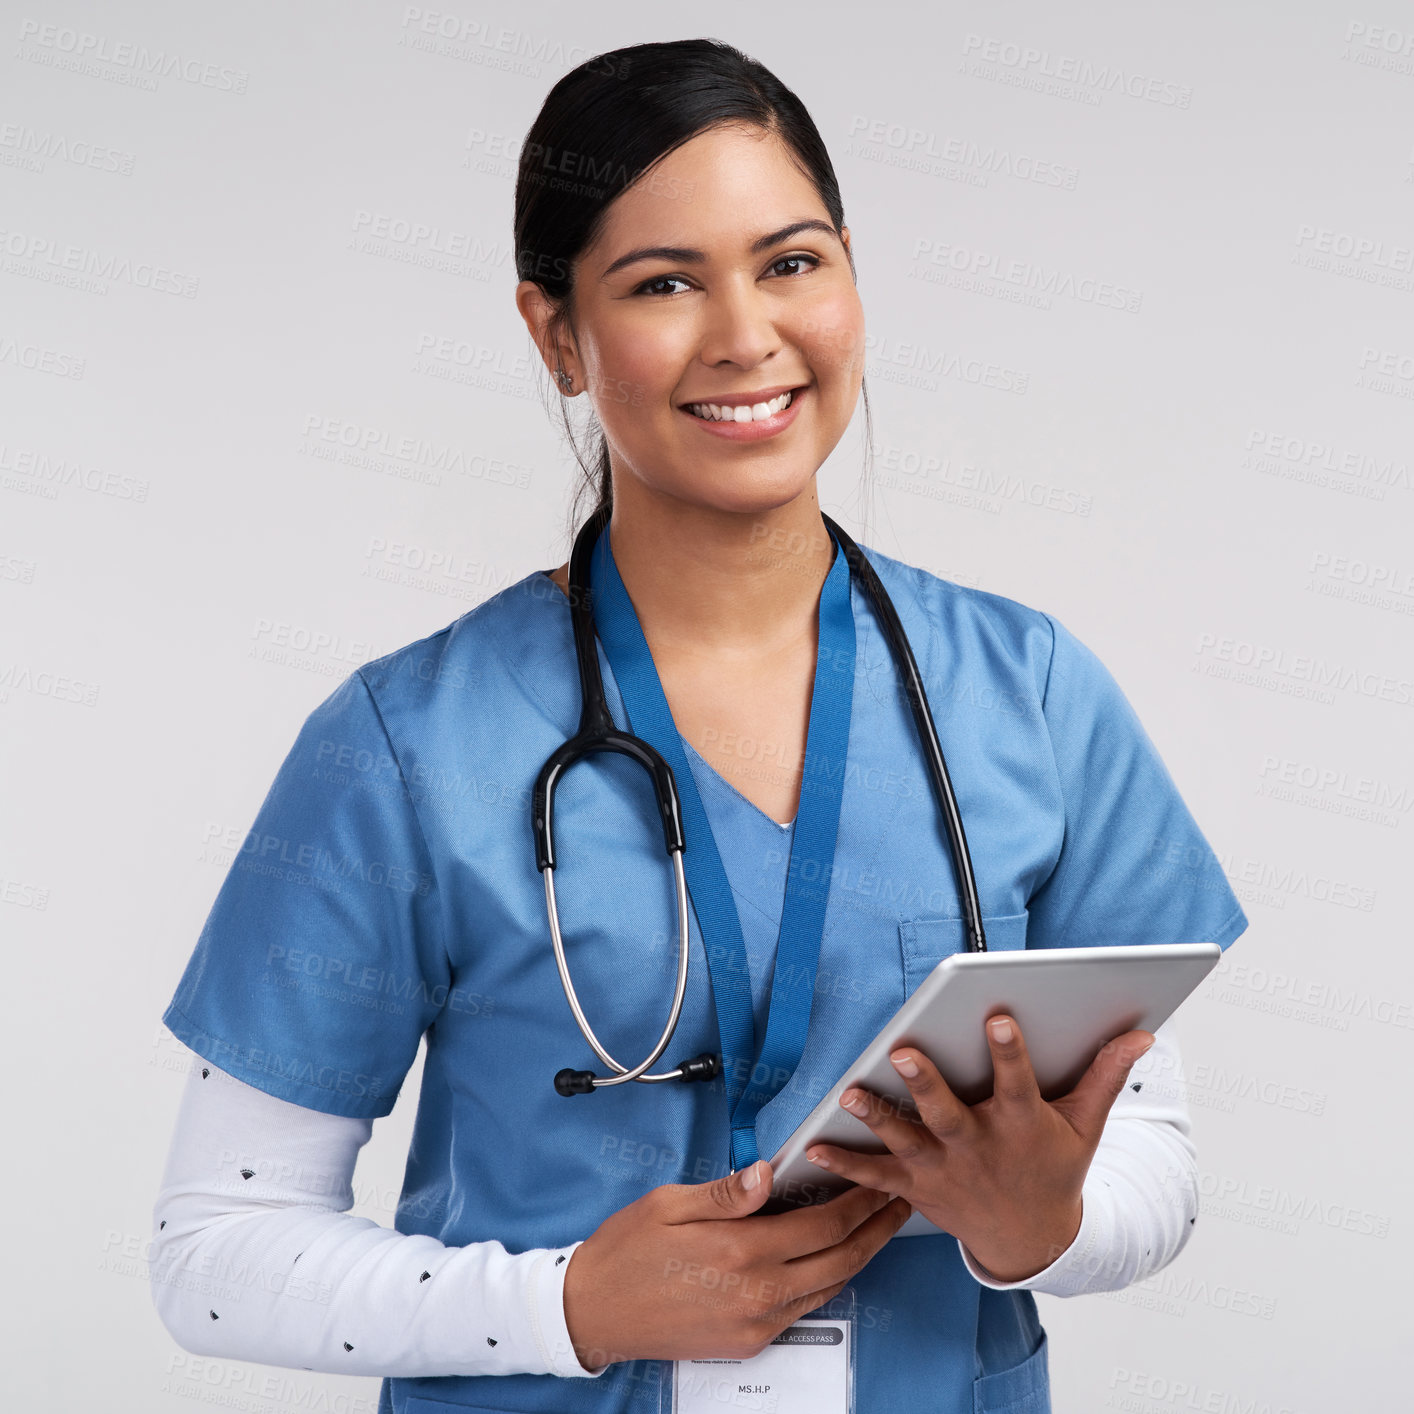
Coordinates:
<point>1068,1001</point>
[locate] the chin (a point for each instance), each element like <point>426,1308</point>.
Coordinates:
<point>757,497</point>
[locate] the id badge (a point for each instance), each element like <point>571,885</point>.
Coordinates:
<point>807,1369</point>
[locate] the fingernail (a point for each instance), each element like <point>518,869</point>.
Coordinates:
<point>751,1175</point>
<point>905,1065</point>
<point>1001,1032</point>
<point>853,1101</point>
<point>819,1159</point>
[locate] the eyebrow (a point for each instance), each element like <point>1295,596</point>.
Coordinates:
<point>689,255</point>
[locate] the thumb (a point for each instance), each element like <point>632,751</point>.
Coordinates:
<point>1104,1081</point>
<point>735,1194</point>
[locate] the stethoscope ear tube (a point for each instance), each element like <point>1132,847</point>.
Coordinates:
<point>923,719</point>
<point>542,798</point>
<point>596,727</point>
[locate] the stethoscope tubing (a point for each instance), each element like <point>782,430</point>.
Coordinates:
<point>623,1073</point>
<point>597,733</point>
<point>923,719</point>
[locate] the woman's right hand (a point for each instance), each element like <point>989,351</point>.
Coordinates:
<point>692,1271</point>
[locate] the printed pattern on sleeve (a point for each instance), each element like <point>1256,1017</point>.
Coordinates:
<point>256,1256</point>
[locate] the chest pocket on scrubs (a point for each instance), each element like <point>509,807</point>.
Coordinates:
<point>925,942</point>
<point>1023,1389</point>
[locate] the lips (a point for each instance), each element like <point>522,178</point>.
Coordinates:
<point>755,411</point>
<point>745,399</point>
<point>755,428</point>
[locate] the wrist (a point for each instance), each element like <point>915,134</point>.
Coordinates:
<point>587,1337</point>
<point>1017,1257</point>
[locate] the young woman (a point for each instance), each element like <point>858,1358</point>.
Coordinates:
<point>687,270</point>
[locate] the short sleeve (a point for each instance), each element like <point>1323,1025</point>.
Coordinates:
<point>321,963</point>
<point>1133,866</point>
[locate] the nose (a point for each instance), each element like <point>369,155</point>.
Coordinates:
<point>739,326</point>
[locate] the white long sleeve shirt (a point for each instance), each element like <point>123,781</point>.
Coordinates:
<point>256,1256</point>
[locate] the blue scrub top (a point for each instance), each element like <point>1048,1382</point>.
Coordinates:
<point>388,890</point>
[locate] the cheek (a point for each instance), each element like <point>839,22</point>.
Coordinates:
<point>833,338</point>
<point>633,373</point>
<point>624,381</point>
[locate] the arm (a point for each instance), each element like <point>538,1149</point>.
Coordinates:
<point>255,1256</point>
<point>1133,867</point>
<point>1140,1198</point>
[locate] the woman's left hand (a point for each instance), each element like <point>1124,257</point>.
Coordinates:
<point>1003,1176</point>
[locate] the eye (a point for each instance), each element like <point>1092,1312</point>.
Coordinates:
<point>795,260</point>
<point>646,286</point>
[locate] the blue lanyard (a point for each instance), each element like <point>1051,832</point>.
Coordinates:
<point>749,1086</point>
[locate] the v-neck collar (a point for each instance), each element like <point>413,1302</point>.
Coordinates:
<point>722,783</point>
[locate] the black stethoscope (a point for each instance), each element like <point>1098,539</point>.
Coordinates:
<point>598,733</point>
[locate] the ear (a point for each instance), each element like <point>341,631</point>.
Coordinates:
<point>538,310</point>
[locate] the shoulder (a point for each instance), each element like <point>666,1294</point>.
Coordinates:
<point>1011,635</point>
<point>483,654</point>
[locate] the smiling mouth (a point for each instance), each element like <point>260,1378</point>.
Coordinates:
<point>744,412</point>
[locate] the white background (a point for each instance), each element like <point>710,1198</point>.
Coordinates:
<point>1212,482</point>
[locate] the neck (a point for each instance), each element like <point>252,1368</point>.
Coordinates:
<point>705,578</point>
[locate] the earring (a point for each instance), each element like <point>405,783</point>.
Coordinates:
<point>566,382</point>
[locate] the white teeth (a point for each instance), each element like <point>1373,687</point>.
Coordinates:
<point>713,412</point>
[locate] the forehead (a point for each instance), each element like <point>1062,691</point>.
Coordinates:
<point>719,190</point>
